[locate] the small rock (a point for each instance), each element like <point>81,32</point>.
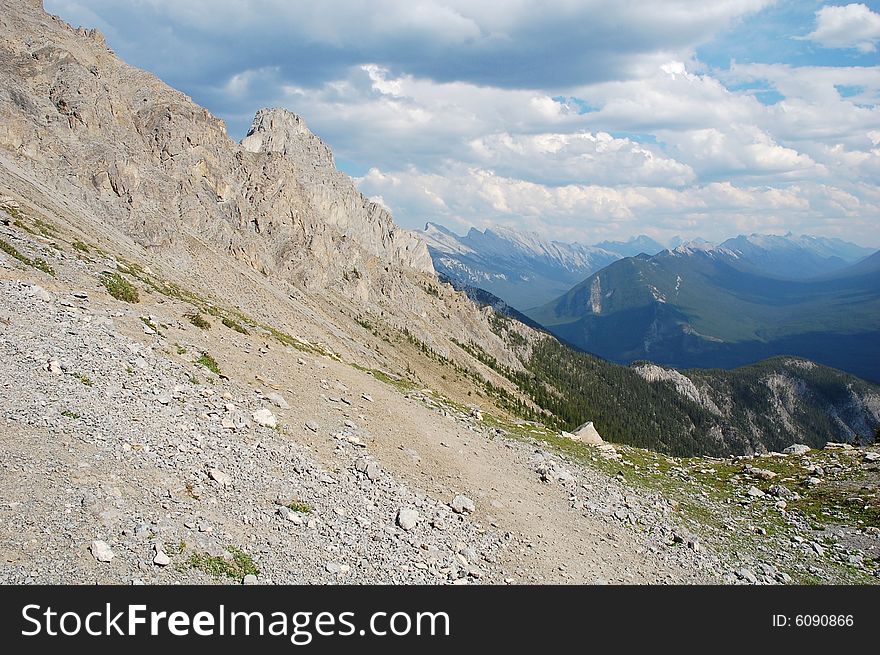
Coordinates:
<point>764,474</point>
<point>161,559</point>
<point>265,417</point>
<point>754,492</point>
<point>367,397</point>
<point>872,457</point>
<point>41,293</point>
<point>101,551</point>
<point>783,577</point>
<point>462,504</point>
<point>277,400</point>
<point>797,449</point>
<point>53,366</point>
<point>312,425</point>
<point>221,477</point>
<point>747,574</point>
<point>781,492</point>
<point>407,518</point>
<point>249,579</point>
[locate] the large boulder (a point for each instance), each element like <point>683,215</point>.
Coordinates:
<point>587,433</point>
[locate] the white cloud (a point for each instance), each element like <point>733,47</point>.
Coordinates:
<point>585,212</point>
<point>562,158</point>
<point>850,26</point>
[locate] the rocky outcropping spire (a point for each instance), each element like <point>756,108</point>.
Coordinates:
<point>161,169</point>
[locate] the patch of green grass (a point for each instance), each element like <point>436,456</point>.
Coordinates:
<point>218,567</point>
<point>198,320</point>
<point>192,379</point>
<point>300,506</point>
<point>232,324</point>
<point>38,263</point>
<point>43,265</point>
<point>171,548</point>
<point>80,246</point>
<point>45,228</point>
<point>12,251</point>
<point>118,287</point>
<point>40,228</point>
<point>85,379</point>
<point>24,226</point>
<point>180,349</point>
<point>69,414</point>
<point>287,340</point>
<point>14,212</point>
<point>209,363</point>
<point>401,384</point>
<point>129,370</point>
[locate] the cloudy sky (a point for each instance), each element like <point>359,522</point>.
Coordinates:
<point>578,119</point>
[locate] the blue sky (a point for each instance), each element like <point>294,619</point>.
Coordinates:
<point>581,120</point>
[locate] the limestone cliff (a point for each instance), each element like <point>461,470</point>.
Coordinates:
<point>149,161</point>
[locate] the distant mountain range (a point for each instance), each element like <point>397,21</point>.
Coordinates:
<point>527,271</point>
<point>522,268</point>
<point>748,298</point>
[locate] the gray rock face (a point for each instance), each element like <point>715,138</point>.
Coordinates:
<point>161,167</point>
<point>797,449</point>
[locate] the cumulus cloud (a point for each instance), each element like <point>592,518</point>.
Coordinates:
<point>564,158</point>
<point>850,26</point>
<point>528,43</point>
<point>476,196</point>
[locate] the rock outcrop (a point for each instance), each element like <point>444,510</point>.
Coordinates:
<point>587,433</point>
<point>146,160</point>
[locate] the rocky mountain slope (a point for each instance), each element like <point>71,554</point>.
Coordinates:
<point>149,442</point>
<point>145,446</point>
<point>222,363</point>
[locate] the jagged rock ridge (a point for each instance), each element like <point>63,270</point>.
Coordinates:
<point>164,167</point>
